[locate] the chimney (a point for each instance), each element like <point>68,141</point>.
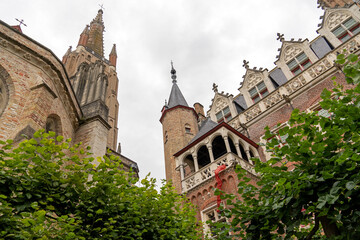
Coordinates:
<point>199,109</point>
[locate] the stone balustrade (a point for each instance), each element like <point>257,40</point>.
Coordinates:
<point>208,172</point>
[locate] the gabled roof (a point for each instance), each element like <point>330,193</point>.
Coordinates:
<point>212,130</point>
<point>176,97</point>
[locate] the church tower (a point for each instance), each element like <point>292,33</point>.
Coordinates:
<point>94,78</point>
<point>180,125</point>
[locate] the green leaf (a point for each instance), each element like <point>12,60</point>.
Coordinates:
<point>350,185</point>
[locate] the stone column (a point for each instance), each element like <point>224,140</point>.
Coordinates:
<point>210,153</point>
<point>226,140</point>
<point>196,162</point>
<point>238,150</point>
<point>248,155</point>
<point>182,172</point>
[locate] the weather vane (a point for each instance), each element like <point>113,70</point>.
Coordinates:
<point>21,22</point>
<point>102,6</point>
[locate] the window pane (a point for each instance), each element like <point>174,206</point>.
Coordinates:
<point>261,86</point>
<point>252,92</point>
<point>292,64</point>
<point>296,71</point>
<point>306,64</point>
<point>302,57</point>
<point>264,93</point>
<point>324,113</point>
<point>356,29</point>
<point>349,23</point>
<point>345,37</point>
<point>284,137</point>
<point>256,99</point>
<point>226,110</point>
<point>338,31</point>
<point>228,117</point>
<point>219,115</point>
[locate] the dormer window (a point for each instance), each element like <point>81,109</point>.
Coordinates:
<point>224,115</point>
<point>299,64</point>
<point>258,92</point>
<point>346,30</point>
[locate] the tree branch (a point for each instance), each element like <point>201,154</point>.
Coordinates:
<point>315,228</point>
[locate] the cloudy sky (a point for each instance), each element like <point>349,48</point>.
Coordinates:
<point>207,40</point>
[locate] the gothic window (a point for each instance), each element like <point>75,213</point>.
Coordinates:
<point>299,63</point>
<point>4,96</point>
<point>346,30</point>
<point>258,92</point>
<point>53,124</point>
<point>224,115</point>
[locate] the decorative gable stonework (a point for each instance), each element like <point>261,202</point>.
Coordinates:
<point>252,78</point>
<point>219,103</point>
<point>290,51</point>
<point>335,18</point>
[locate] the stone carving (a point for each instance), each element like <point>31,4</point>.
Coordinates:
<point>206,173</point>
<point>252,112</point>
<point>295,84</point>
<point>219,104</point>
<point>319,68</point>
<point>252,79</point>
<point>223,162</point>
<point>272,99</point>
<point>4,43</point>
<point>290,52</point>
<point>335,18</point>
<point>352,46</point>
<point>235,123</point>
<point>190,182</point>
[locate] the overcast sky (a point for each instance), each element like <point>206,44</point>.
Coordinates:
<point>207,40</point>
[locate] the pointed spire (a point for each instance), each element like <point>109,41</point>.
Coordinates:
<point>66,54</point>
<point>113,56</point>
<point>96,37</point>
<point>176,98</point>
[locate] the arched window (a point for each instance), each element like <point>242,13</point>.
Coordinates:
<point>218,146</point>
<point>203,157</point>
<point>190,167</point>
<point>232,146</point>
<point>53,124</point>
<point>4,95</point>
<point>243,153</point>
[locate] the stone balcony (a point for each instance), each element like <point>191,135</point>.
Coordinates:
<point>208,172</point>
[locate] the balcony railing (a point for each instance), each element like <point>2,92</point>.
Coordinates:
<point>208,172</point>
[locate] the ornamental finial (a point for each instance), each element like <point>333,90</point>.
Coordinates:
<point>173,72</point>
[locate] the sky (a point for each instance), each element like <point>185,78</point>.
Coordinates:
<point>206,39</point>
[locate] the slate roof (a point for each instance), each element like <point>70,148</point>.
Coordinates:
<point>205,127</point>
<point>176,98</point>
<point>240,100</point>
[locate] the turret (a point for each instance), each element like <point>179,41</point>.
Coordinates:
<point>113,56</point>
<point>84,36</point>
<point>179,123</point>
